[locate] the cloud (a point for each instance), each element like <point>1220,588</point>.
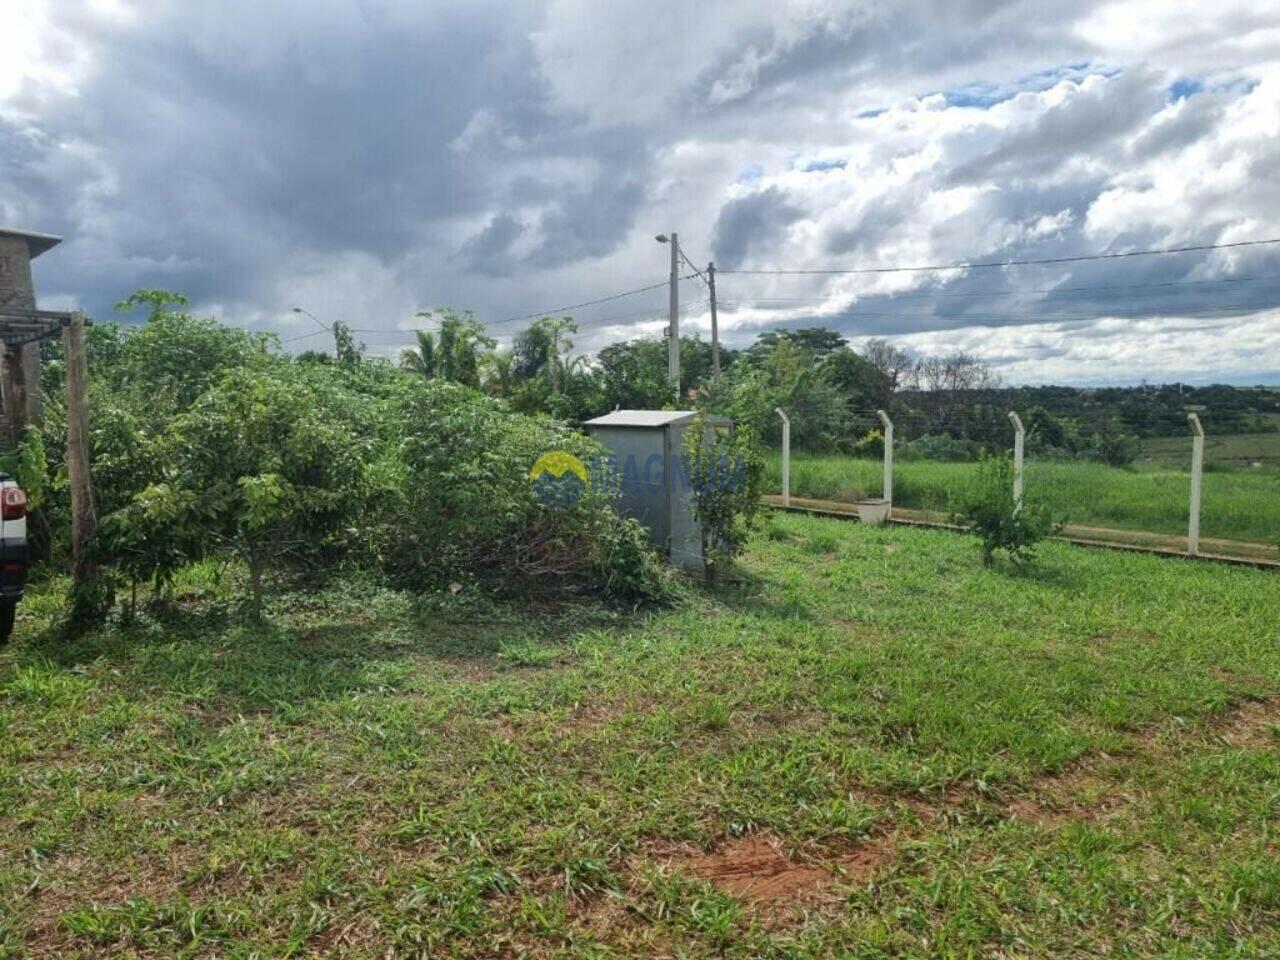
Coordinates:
<point>489,251</point>
<point>368,159</point>
<point>750,223</point>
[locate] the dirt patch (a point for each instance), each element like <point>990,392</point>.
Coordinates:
<point>1252,724</point>
<point>757,867</point>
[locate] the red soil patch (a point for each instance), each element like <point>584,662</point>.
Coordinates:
<point>756,867</point>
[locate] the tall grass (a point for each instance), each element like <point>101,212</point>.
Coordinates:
<point>1237,504</point>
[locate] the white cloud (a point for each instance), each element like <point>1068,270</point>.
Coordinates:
<point>373,158</point>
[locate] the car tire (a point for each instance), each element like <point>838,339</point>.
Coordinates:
<point>7,610</point>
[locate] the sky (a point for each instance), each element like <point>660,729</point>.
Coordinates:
<point>369,159</point>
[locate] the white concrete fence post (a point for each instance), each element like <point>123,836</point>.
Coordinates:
<point>1197,474</point>
<point>1019,450</point>
<point>888,458</point>
<point>786,457</point>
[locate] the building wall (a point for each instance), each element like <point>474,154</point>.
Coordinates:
<point>16,289</point>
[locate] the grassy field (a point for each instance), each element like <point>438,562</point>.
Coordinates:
<point>1244,450</point>
<point>1238,504</point>
<point>868,747</point>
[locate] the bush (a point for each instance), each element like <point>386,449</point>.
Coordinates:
<point>985,506</point>
<point>295,466</point>
<point>725,467</point>
<point>939,446</point>
<point>1114,447</point>
<point>456,500</point>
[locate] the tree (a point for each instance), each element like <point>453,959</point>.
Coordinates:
<point>633,375</point>
<point>788,377</point>
<point>863,386</point>
<point>422,359</point>
<point>948,384</point>
<point>498,368</point>
<point>817,342</point>
<point>894,366</point>
<point>262,467</point>
<point>725,468</point>
<point>346,351</point>
<point>542,349</point>
<point>985,506</point>
<point>455,352</point>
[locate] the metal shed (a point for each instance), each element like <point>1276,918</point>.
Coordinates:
<point>646,448</point>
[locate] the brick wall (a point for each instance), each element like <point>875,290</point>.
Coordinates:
<point>16,289</point>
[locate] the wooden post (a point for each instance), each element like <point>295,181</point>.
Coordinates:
<point>84,517</point>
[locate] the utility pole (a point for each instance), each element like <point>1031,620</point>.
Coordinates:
<point>673,315</point>
<point>715,326</point>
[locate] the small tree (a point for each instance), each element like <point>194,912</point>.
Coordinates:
<point>725,470</point>
<point>263,468</point>
<point>985,506</point>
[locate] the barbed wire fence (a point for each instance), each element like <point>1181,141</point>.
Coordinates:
<point>1177,500</point>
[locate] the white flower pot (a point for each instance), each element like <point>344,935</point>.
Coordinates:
<point>873,511</point>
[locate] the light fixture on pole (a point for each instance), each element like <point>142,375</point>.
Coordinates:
<point>308,313</point>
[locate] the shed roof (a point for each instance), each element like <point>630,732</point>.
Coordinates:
<point>650,418</point>
<point>37,243</point>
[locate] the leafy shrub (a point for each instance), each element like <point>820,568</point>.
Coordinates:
<point>456,499</point>
<point>870,444</point>
<point>1114,447</point>
<point>627,568</point>
<point>208,444</point>
<point>985,506</point>
<point>939,446</point>
<point>725,467</point>
<point>261,466</point>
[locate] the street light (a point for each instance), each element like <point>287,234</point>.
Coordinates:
<point>308,313</point>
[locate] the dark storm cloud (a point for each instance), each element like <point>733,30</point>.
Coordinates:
<point>766,65</point>
<point>489,251</point>
<point>751,223</point>
<point>212,169</point>
<point>492,155</point>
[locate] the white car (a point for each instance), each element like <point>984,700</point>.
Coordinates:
<point>13,551</point>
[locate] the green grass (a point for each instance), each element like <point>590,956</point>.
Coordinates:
<point>1241,450</point>
<point>1065,761</point>
<point>1237,504</point>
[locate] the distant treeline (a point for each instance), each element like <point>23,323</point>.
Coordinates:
<point>952,405</point>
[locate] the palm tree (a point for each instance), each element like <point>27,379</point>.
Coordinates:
<point>454,352</point>
<point>499,368</point>
<point>423,359</point>
<point>542,348</point>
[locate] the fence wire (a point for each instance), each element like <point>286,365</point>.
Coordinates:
<point>1106,484</point>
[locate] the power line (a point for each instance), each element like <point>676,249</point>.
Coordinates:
<point>836,295</point>
<point>1010,263</point>
<point>538,314</point>
<point>305,336</point>
<point>656,313</point>
<point>586,303</point>
<point>984,319</point>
